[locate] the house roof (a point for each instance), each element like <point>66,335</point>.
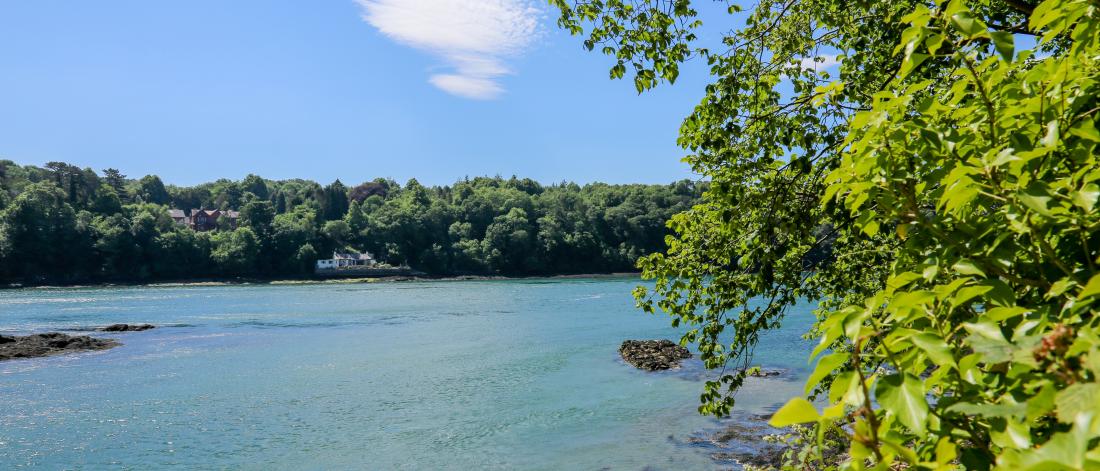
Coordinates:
<point>176,213</point>
<point>351,256</point>
<point>216,213</point>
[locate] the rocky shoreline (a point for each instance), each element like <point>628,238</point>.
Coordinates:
<point>13,347</point>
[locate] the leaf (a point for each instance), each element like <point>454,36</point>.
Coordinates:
<point>1086,197</point>
<point>1086,130</point>
<point>968,25</point>
<point>795,411</point>
<point>1036,197</point>
<point>935,347</point>
<point>1077,399</point>
<point>967,267</point>
<point>1000,314</point>
<point>1090,289</point>
<point>968,293</point>
<point>1064,450</point>
<point>1005,44</point>
<point>826,365</point>
<point>903,396</point>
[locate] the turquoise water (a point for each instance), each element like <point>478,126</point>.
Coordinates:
<point>520,374</point>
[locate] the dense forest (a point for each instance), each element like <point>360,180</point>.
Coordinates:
<point>63,224</point>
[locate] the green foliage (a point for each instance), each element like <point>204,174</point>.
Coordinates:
<point>480,226</point>
<point>955,177</point>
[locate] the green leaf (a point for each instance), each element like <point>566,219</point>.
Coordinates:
<point>1036,197</point>
<point>1079,398</point>
<point>1090,289</point>
<point>826,365</point>
<point>1004,42</point>
<point>1086,129</point>
<point>999,314</point>
<point>935,347</point>
<point>967,267</point>
<point>1086,197</point>
<point>968,293</point>
<point>903,396</point>
<point>968,25</point>
<point>795,411</point>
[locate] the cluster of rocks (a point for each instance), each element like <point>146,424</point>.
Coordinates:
<point>55,343</point>
<point>126,327</point>
<point>757,372</point>
<point>52,343</point>
<point>652,355</point>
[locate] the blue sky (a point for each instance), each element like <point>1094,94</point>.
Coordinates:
<point>326,89</point>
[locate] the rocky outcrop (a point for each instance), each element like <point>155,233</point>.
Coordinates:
<point>652,355</point>
<point>126,327</point>
<point>757,372</point>
<point>53,343</point>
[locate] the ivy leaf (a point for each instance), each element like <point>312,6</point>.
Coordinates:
<point>903,396</point>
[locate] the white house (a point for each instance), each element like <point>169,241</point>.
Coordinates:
<point>345,260</point>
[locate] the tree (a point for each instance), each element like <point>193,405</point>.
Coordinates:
<point>107,200</point>
<point>954,180</point>
<point>258,215</point>
<point>235,252</point>
<point>116,180</point>
<point>368,189</point>
<point>255,185</point>
<point>280,203</point>
<point>337,231</point>
<point>152,190</point>
<point>43,235</point>
<point>334,202</point>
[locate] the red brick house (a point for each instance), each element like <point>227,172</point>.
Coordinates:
<point>202,220</point>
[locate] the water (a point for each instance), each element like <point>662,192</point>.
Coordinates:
<point>423,375</point>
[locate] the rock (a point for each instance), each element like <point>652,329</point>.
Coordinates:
<point>126,327</point>
<point>52,343</point>
<point>757,372</point>
<point>652,355</point>
<point>742,441</point>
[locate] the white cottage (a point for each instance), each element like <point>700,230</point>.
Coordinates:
<point>345,260</point>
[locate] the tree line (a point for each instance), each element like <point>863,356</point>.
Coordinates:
<point>60,223</point>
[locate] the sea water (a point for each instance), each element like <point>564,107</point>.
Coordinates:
<point>515,374</point>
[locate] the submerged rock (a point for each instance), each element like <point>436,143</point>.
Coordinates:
<point>743,440</point>
<point>126,327</point>
<point>757,372</point>
<point>52,343</point>
<point>652,355</point>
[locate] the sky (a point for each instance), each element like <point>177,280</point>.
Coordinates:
<point>435,90</point>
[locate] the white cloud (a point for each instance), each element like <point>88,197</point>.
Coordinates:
<point>829,60</point>
<point>473,36</point>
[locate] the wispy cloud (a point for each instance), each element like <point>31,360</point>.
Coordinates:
<point>475,37</point>
<point>827,60</point>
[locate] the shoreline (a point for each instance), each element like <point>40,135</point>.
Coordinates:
<point>290,281</point>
